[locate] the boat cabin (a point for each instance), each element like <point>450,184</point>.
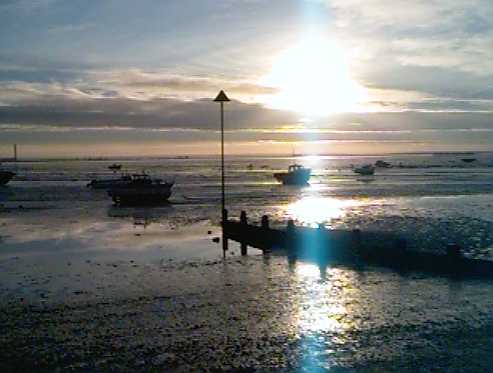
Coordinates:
<point>295,167</point>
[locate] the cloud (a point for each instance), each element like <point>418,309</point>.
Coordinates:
<point>24,5</point>
<point>438,47</point>
<point>155,100</point>
<point>135,80</point>
<point>62,105</point>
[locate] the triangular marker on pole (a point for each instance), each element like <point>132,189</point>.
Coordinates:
<point>221,97</point>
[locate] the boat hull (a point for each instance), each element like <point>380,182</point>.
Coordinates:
<point>115,167</point>
<point>108,184</point>
<point>365,172</point>
<point>152,195</point>
<point>299,177</point>
<point>5,177</point>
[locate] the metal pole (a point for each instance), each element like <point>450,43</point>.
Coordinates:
<point>223,204</point>
<point>223,199</point>
<point>222,98</point>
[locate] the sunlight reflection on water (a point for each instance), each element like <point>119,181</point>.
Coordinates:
<point>319,314</point>
<point>322,304</point>
<point>316,210</point>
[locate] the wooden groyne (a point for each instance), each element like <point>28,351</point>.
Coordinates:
<point>349,247</point>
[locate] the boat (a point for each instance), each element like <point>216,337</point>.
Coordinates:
<point>468,160</point>
<point>115,167</point>
<point>6,176</point>
<point>296,175</point>
<point>141,190</point>
<point>109,182</point>
<point>382,164</point>
<point>367,169</point>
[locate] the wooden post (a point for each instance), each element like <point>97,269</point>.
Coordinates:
<point>225,237</point>
<point>290,236</point>
<point>265,222</point>
<point>356,244</point>
<point>244,221</point>
<point>290,227</point>
<point>454,251</point>
<point>265,227</point>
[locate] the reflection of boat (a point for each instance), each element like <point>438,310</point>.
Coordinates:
<point>5,177</point>
<point>110,183</point>
<point>140,213</point>
<point>382,164</point>
<point>296,175</point>
<point>115,167</point>
<point>468,160</point>
<point>366,180</point>
<point>367,169</point>
<point>141,190</point>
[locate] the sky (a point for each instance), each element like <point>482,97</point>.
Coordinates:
<point>125,77</point>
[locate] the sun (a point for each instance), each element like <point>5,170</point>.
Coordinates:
<point>313,79</point>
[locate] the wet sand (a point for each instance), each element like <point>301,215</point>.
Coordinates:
<point>252,313</point>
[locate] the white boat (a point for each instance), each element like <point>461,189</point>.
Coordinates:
<point>367,169</point>
<point>115,167</point>
<point>141,190</point>
<point>109,182</point>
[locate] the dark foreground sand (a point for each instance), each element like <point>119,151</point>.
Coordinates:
<point>253,314</point>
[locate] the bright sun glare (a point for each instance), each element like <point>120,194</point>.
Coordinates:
<point>313,79</point>
<point>315,210</point>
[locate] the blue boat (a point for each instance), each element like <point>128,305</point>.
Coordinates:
<point>296,175</point>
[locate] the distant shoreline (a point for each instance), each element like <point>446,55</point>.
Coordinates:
<point>205,156</point>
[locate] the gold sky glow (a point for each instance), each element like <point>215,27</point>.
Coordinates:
<point>313,78</point>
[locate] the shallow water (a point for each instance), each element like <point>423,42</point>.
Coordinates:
<point>440,201</point>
